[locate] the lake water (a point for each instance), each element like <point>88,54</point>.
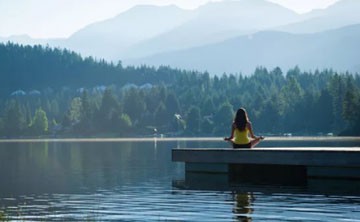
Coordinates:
<point>128,180</point>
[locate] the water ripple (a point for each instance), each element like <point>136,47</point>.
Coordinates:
<point>144,204</point>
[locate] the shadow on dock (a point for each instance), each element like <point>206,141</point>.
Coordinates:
<point>220,182</point>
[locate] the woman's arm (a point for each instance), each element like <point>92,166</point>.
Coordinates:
<point>252,135</point>
<point>232,133</point>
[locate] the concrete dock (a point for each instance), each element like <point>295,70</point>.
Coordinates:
<point>286,162</point>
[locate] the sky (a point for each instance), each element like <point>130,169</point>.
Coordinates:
<point>61,18</point>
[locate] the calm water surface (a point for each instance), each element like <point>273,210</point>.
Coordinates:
<point>136,181</point>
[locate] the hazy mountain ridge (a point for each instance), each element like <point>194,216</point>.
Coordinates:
<point>336,49</point>
<point>215,22</point>
<point>342,13</point>
<point>112,37</point>
<point>149,32</point>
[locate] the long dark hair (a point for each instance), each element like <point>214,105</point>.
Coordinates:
<point>241,119</point>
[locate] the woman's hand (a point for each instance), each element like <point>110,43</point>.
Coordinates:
<point>227,138</point>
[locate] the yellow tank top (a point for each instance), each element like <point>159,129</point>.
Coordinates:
<point>241,137</point>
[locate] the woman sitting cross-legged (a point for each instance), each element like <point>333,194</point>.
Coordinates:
<point>240,131</point>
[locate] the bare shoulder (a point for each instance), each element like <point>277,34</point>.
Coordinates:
<point>249,126</point>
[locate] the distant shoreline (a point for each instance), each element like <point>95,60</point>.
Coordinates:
<point>150,139</point>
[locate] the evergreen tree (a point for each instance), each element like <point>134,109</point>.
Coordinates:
<point>337,89</point>
<point>193,120</point>
<point>75,110</point>
<point>108,112</point>
<point>208,106</point>
<point>323,113</point>
<point>351,108</point>
<point>134,104</point>
<point>14,120</point>
<point>2,126</point>
<point>172,104</point>
<point>40,124</point>
<point>159,115</point>
<point>223,119</point>
<point>85,113</point>
<point>124,124</point>
<point>298,102</point>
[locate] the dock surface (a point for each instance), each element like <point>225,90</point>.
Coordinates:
<point>310,156</point>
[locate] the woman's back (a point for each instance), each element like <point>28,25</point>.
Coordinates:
<point>241,136</point>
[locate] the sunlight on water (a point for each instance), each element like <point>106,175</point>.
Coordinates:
<point>162,139</point>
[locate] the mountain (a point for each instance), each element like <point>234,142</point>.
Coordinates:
<point>217,21</point>
<point>336,49</point>
<point>149,31</point>
<point>342,13</point>
<point>109,37</point>
<point>146,30</point>
<point>24,40</point>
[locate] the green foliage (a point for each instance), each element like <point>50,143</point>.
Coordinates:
<point>85,109</point>
<point>1,126</point>
<point>223,118</point>
<point>38,67</point>
<point>134,104</point>
<point>75,109</point>
<point>124,123</point>
<point>14,119</point>
<point>39,125</point>
<point>159,115</point>
<point>177,102</point>
<point>108,112</point>
<point>351,107</point>
<point>193,120</point>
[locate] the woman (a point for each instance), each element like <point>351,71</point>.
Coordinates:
<point>240,130</point>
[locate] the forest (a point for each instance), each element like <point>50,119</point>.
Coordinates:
<point>53,92</point>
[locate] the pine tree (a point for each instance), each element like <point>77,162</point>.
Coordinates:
<point>40,122</point>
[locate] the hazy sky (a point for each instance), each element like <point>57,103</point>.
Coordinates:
<point>61,18</point>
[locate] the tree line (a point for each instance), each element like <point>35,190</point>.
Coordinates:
<point>67,95</point>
